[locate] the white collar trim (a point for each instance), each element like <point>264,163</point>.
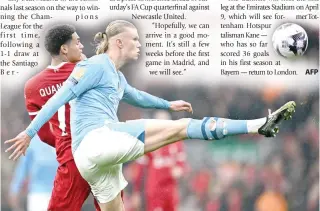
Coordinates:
<point>56,67</point>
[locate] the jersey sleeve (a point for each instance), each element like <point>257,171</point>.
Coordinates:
<point>45,133</point>
<point>142,99</point>
<point>30,103</point>
<point>85,77</point>
<point>60,98</point>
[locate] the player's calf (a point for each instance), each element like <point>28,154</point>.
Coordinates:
<point>163,132</point>
<point>215,128</point>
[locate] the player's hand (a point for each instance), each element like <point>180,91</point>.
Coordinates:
<point>180,105</point>
<point>19,145</point>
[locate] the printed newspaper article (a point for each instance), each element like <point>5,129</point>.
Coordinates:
<point>250,66</point>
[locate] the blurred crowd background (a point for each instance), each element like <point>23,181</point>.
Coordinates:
<point>243,173</point>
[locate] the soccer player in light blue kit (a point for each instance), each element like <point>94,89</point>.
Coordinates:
<point>39,166</point>
<point>100,143</point>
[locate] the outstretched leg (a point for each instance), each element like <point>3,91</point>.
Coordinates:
<point>163,132</point>
<point>101,153</point>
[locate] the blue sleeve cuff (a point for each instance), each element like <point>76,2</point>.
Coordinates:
<point>167,104</point>
<point>31,132</point>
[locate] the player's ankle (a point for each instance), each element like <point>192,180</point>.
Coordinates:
<point>254,125</point>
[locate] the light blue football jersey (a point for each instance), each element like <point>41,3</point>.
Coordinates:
<point>94,90</point>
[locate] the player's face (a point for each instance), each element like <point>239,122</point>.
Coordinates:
<point>130,44</point>
<point>74,49</point>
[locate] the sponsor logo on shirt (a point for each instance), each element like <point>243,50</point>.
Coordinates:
<point>78,73</point>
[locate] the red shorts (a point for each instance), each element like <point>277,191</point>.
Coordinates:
<point>163,199</point>
<point>70,190</point>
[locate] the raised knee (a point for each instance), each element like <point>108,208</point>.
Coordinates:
<point>183,127</point>
<point>183,121</point>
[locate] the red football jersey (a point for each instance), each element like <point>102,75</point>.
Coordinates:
<point>160,166</point>
<point>162,163</point>
<point>38,90</point>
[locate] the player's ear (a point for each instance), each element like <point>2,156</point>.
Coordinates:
<point>64,49</point>
<point>119,43</point>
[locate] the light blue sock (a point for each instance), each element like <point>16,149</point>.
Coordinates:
<point>200,129</point>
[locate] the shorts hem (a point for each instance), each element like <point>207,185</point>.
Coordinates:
<point>113,196</point>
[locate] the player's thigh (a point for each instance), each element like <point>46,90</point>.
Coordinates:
<point>110,145</point>
<point>105,182</point>
<point>159,133</point>
<point>154,127</point>
<point>100,155</point>
<point>38,201</point>
<point>70,190</point>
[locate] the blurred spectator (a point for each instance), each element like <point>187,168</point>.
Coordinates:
<point>163,168</point>
<point>38,168</point>
<point>271,201</point>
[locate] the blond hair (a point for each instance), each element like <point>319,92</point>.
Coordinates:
<point>114,28</point>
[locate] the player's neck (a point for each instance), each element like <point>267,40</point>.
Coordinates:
<point>116,60</point>
<point>56,60</point>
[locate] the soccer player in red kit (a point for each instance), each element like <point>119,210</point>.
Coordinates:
<point>70,189</point>
<point>163,169</point>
